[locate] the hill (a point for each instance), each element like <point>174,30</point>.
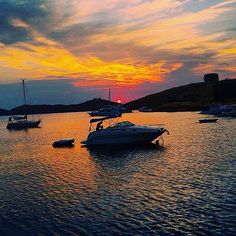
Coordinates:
<point>93,104</point>
<point>191,97</point>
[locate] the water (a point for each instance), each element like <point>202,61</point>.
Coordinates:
<point>186,188</point>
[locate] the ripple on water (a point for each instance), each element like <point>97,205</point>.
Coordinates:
<point>186,188</point>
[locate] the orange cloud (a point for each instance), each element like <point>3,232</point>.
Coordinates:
<point>48,59</point>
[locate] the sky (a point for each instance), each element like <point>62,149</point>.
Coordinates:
<point>70,51</point>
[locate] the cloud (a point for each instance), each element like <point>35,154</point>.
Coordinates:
<point>21,11</point>
<point>47,59</point>
<point>121,43</point>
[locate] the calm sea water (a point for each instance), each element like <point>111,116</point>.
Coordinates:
<point>186,188</point>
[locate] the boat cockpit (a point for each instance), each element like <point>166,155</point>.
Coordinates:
<point>120,125</point>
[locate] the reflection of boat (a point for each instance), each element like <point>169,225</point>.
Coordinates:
<point>22,122</point>
<point>122,133</point>
<point>208,120</point>
<point>145,109</point>
<point>64,143</point>
<point>228,111</point>
<point>106,111</point>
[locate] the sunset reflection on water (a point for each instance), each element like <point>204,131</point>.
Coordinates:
<point>187,186</point>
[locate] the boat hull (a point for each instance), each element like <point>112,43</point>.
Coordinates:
<point>98,113</point>
<point>125,137</point>
<point>24,124</point>
<point>147,110</point>
<point>208,121</point>
<point>227,114</point>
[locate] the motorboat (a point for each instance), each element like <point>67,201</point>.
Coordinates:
<point>212,109</point>
<point>124,109</point>
<point>145,109</point>
<point>208,120</point>
<point>107,111</point>
<point>228,111</point>
<point>23,121</point>
<point>121,133</point>
<point>64,143</point>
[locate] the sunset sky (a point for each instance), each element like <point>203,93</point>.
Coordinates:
<point>74,50</point>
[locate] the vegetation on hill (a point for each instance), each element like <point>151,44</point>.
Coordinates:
<point>191,97</point>
<point>93,104</point>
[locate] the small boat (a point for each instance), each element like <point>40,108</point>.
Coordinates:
<point>121,133</point>
<point>64,143</point>
<point>106,111</point>
<point>228,111</point>
<point>145,109</point>
<point>124,109</point>
<point>23,122</point>
<point>208,120</point>
<point>212,109</point>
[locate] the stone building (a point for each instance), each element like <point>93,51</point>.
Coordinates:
<point>211,78</point>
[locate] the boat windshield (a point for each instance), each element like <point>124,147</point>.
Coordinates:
<point>121,125</point>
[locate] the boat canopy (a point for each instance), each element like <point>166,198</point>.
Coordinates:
<point>103,118</point>
<point>121,125</point>
<point>99,119</point>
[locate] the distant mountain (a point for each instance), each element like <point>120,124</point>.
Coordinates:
<point>191,97</point>
<point>93,104</point>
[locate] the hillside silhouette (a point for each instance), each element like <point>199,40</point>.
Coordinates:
<point>191,97</point>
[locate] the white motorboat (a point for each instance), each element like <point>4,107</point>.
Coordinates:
<point>121,133</point>
<point>106,111</point>
<point>124,109</point>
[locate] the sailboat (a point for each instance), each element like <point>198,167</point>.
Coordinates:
<point>23,122</point>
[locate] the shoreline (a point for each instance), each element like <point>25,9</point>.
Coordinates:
<point>134,111</point>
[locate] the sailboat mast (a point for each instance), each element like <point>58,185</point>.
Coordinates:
<point>109,95</point>
<point>24,93</point>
